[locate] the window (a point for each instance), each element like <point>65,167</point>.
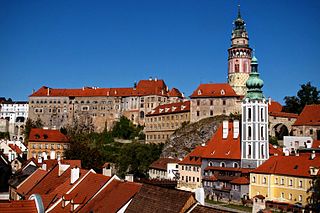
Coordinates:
<point>182,167</point>
<point>264,180</point>
<point>311,131</point>
<point>198,113</point>
<point>198,102</point>
<point>282,181</point>
<point>224,102</point>
<point>290,182</point>
<point>182,178</point>
<point>222,164</point>
<point>235,165</point>
<point>249,114</point>
<point>300,198</point>
<point>249,132</point>
<point>211,102</point>
<point>300,183</point>
<point>253,179</point>
<point>198,180</point>
<point>290,196</point>
<point>276,180</point>
<point>236,67</point>
<point>211,112</point>
<point>282,195</point>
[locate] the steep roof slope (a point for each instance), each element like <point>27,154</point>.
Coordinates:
<point>310,116</point>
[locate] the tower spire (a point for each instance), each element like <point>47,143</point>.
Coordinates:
<point>239,14</point>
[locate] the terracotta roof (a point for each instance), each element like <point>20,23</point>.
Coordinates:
<point>174,92</point>
<point>162,163</point>
<point>194,157</point>
<point>210,178</point>
<point>47,135</point>
<point>240,181</point>
<point>157,199</point>
<point>316,144</point>
<point>31,181</point>
<point>310,116</point>
<point>275,150</point>
<point>283,114</point>
<point>219,148</point>
<point>298,166</point>
<point>274,107</point>
<point>19,206</point>
<point>144,87</point>
<point>115,195</point>
<point>83,192</point>
<point>178,107</point>
<point>15,148</point>
<point>214,90</point>
<point>219,168</point>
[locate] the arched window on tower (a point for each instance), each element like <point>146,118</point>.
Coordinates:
<point>262,151</point>
<point>244,67</point>
<point>262,133</point>
<point>249,132</point>
<point>262,114</point>
<point>236,67</point>
<point>249,151</point>
<point>249,114</point>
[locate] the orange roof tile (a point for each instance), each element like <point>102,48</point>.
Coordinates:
<point>31,181</point>
<point>283,114</point>
<point>178,107</point>
<point>240,181</point>
<point>219,168</point>
<point>316,144</point>
<point>174,92</point>
<point>19,206</point>
<point>214,90</point>
<point>275,107</point>
<point>298,166</point>
<point>162,163</point>
<point>310,116</point>
<point>194,157</point>
<point>15,148</point>
<point>220,148</point>
<point>275,150</point>
<point>115,195</point>
<point>47,135</point>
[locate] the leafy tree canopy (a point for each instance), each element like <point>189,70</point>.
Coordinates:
<point>125,129</point>
<point>307,94</point>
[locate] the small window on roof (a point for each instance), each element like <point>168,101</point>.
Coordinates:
<point>222,92</point>
<point>199,92</point>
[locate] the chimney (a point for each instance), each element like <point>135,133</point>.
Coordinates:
<point>45,157</point>
<point>39,159</point>
<point>235,129</point>
<point>44,167</point>
<point>155,79</point>
<point>225,126</point>
<point>75,174</point>
<point>48,91</point>
<point>52,154</point>
<point>150,78</point>
<point>313,155</point>
<point>129,177</point>
<point>33,91</point>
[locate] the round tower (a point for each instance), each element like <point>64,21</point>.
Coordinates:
<point>239,57</point>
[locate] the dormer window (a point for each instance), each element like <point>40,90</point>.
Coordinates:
<point>222,92</point>
<point>199,92</point>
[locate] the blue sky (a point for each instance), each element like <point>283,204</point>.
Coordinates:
<point>75,43</point>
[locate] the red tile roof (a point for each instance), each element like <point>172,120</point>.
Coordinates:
<point>194,157</point>
<point>144,87</point>
<point>178,107</point>
<point>298,166</point>
<point>219,168</point>
<point>316,144</point>
<point>162,163</point>
<point>47,135</point>
<point>214,90</point>
<point>30,182</point>
<point>275,107</point>
<point>240,181</point>
<point>114,196</point>
<point>15,148</point>
<point>275,150</point>
<point>310,116</point>
<point>19,206</point>
<point>83,192</point>
<point>210,178</point>
<point>174,92</point>
<point>219,148</point>
<point>283,114</point>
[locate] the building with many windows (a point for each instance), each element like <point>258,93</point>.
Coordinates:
<point>13,117</point>
<point>47,143</point>
<point>100,107</point>
<point>162,121</point>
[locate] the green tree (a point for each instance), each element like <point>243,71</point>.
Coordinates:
<point>125,129</point>
<point>307,94</point>
<point>4,135</point>
<point>314,198</point>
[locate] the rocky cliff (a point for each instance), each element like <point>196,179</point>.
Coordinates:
<point>186,138</point>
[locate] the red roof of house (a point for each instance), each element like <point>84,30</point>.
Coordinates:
<point>178,107</point>
<point>115,195</point>
<point>219,168</point>
<point>83,192</point>
<point>283,114</point>
<point>15,148</point>
<point>31,181</point>
<point>214,90</point>
<point>210,178</point>
<point>240,181</point>
<point>47,135</point>
<point>194,157</point>
<point>310,116</point>
<point>144,87</point>
<point>275,150</point>
<point>19,206</point>
<point>162,163</point>
<point>316,144</point>
<point>219,148</point>
<point>275,107</point>
<point>174,92</point>
<point>289,165</point>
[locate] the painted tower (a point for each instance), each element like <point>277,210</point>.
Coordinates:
<point>239,57</point>
<point>255,141</point>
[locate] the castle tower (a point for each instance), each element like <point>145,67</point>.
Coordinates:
<point>239,57</point>
<point>254,141</point>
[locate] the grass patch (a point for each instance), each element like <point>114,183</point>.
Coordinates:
<point>213,202</point>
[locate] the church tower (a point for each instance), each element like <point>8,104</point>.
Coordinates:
<point>254,141</point>
<point>239,57</point>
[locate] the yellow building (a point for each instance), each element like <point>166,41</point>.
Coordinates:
<point>285,179</point>
<point>47,143</point>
